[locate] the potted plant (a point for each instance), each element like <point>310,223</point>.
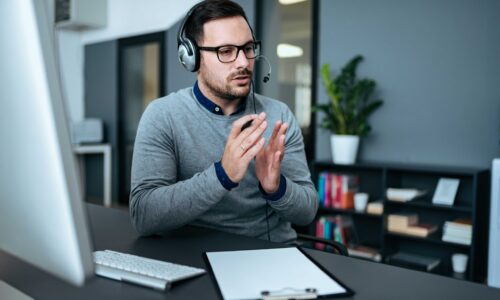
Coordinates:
<point>346,114</point>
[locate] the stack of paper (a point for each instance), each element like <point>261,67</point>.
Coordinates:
<point>375,208</point>
<point>421,229</point>
<point>408,224</point>
<point>284,273</point>
<point>458,231</point>
<point>400,222</point>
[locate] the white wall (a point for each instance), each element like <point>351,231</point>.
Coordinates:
<point>71,64</point>
<point>133,17</point>
<point>125,18</point>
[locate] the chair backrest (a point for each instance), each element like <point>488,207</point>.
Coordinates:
<point>339,248</point>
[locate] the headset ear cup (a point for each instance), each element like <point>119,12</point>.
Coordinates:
<point>188,55</point>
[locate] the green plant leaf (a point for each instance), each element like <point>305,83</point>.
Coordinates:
<point>350,102</point>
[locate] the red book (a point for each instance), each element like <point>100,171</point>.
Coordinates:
<point>338,191</point>
<point>320,225</point>
<point>328,190</point>
<point>349,188</point>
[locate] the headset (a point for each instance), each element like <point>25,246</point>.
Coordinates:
<point>187,50</point>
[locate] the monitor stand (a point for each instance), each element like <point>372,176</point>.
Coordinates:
<point>8,292</point>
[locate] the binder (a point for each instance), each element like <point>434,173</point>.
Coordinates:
<point>271,274</point>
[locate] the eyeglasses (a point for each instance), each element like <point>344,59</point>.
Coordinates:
<point>229,53</point>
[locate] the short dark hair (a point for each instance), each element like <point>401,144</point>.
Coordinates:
<point>209,10</point>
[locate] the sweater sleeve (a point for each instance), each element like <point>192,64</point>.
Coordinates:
<point>157,201</point>
<point>299,204</point>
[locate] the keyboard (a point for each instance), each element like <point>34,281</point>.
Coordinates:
<point>140,270</point>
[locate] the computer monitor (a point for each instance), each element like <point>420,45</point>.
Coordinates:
<point>42,216</point>
<point>494,242</point>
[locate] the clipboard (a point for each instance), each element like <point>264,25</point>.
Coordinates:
<point>272,274</point>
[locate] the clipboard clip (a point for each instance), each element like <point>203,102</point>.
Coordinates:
<point>290,293</point>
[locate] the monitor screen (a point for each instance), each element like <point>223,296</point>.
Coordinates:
<point>42,216</point>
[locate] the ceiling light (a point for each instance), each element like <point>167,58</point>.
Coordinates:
<point>287,2</point>
<point>288,50</point>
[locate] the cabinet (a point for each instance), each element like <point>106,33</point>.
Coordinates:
<point>471,202</point>
<point>105,150</point>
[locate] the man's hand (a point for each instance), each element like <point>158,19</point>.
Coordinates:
<point>268,161</point>
<point>243,145</point>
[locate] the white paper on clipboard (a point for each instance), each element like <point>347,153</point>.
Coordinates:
<point>246,274</point>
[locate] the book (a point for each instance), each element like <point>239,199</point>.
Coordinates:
<point>375,208</point>
<point>456,240</point>
<point>452,231</point>
<point>337,190</point>
<point>446,191</point>
<point>414,261</point>
<point>462,223</point>
<point>327,190</point>
<point>337,228</point>
<point>403,195</point>
<point>320,225</point>
<point>350,185</point>
<point>421,230</point>
<point>401,220</point>
<point>364,252</point>
<point>321,188</point>
<point>458,231</point>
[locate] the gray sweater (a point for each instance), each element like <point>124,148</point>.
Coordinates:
<point>174,182</point>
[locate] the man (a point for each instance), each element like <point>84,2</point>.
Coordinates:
<point>208,155</point>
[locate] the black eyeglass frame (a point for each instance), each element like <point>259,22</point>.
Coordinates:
<point>257,45</point>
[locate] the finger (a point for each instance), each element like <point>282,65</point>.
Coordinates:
<point>276,129</point>
<point>284,128</point>
<point>255,124</point>
<point>248,141</point>
<point>236,128</point>
<point>282,132</point>
<point>253,151</point>
<point>242,135</point>
<point>282,146</point>
<point>276,161</point>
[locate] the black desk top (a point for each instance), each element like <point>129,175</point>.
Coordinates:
<point>112,230</point>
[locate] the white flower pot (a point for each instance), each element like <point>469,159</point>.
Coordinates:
<point>344,148</point>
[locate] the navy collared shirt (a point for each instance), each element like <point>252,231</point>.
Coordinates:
<point>211,106</point>
<point>226,182</point>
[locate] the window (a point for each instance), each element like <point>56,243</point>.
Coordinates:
<point>286,31</point>
<point>141,81</point>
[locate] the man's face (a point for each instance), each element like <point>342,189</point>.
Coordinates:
<point>228,81</point>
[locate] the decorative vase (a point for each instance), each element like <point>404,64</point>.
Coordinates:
<point>344,148</point>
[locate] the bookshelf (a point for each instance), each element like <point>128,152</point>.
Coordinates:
<point>471,202</point>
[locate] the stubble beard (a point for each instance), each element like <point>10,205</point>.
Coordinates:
<point>225,90</point>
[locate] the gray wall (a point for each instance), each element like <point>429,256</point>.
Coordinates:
<point>101,97</point>
<point>269,35</point>
<point>437,65</point>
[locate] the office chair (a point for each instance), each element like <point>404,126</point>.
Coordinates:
<point>338,248</point>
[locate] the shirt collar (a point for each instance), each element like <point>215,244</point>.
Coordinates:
<point>211,106</point>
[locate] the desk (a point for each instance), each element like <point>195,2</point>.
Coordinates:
<point>105,150</point>
<point>112,230</point>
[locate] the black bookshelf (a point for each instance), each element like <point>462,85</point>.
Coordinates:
<point>426,203</point>
<point>471,201</point>
<point>434,238</point>
<point>331,210</point>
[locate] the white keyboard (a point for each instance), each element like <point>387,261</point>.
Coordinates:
<point>140,270</point>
